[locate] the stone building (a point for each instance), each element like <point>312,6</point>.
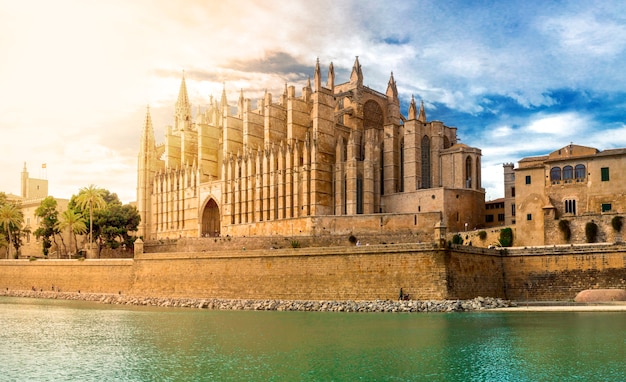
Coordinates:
<point>33,192</point>
<point>556,195</point>
<point>337,158</point>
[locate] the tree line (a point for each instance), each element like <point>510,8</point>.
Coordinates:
<point>94,211</point>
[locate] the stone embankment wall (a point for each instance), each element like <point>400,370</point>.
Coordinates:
<point>367,272</point>
<point>554,273</point>
<point>343,273</point>
<point>95,276</point>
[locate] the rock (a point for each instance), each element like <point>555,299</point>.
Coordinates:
<point>601,295</point>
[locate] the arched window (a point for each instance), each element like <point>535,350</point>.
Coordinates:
<point>401,180</point>
<point>568,174</point>
<point>555,175</point>
<point>468,172</point>
<point>425,162</point>
<point>359,195</point>
<point>580,172</point>
<point>382,168</point>
<point>570,206</point>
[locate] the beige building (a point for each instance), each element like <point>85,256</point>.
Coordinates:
<point>335,159</point>
<point>575,184</point>
<point>494,213</point>
<point>33,191</point>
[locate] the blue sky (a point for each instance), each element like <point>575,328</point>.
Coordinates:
<point>516,78</point>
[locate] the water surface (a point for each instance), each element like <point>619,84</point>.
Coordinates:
<point>52,340</point>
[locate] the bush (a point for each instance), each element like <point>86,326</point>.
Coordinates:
<point>295,244</point>
<point>482,235</point>
<point>352,239</point>
<point>457,239</point>
<point>565,229</point>
<point>506,237</point>
<point>617,223</point>
<point>591,231</point>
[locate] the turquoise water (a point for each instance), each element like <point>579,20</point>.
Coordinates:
<point>51,340</point>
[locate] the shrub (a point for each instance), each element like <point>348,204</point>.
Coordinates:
<point>565,229</point>
<point>617,223</point>
<point>352,239</point>
<point>457,239</point>
<point>506,237</point>
<point>295,244</point>
<point>482,235</point>
<point>591,231</point>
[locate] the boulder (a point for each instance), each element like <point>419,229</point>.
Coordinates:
<point>601,295</point>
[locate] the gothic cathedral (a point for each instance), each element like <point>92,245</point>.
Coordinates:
<point>338,158</point>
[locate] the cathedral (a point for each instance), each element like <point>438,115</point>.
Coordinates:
<point>339,158</point>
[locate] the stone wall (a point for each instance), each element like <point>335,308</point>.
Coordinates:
<point>366,272</point>
<point>554,273</point>
<point>93,276</point>
<point>474,271</point>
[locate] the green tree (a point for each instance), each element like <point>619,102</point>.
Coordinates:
<point>48,224</point>
<point>112,224</point>
<point>506,237</point>
<point>92,198</point>
<point>11,219</point>
<point>75,223</point>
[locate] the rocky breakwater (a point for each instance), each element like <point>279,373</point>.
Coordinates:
<point>408,306</point>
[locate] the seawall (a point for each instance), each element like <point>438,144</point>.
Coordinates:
<point>336,273</point>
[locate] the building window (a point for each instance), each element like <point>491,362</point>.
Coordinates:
<point>555,175</point>
<point>489,218</point>
<point>529,216</point>
<point>568,174</point>
<point>500,217</point>
<point>570,207</point>
<point>425,162</point>
<point>527,179</point>
<point>513,192</point>
<point>468,172</point>
<point>605,174</point>
<point>580,172</point>
<point>513,209</point>
<point>606,207</point>
<point>401,180</point>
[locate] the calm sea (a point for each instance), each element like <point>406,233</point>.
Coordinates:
<point>51,340</point>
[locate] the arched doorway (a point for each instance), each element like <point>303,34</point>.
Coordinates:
<point>211,219</point>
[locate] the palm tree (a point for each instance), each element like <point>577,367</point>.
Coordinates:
<point>10,218</point>
<point>92,197</point>
<point>75,222</point>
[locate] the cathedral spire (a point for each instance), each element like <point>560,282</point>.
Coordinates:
<point>392,90</point>
<point>331,77</point>
<point>147,137</point>
<point>224,101</point>
<point>357,75</point>
<point>240,105</point>
<point>422,116</point>
<point>412,109</point>
<point>317,78</point>
<point>183,106</point>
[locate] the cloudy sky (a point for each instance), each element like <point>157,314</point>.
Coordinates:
<point>516,78</point>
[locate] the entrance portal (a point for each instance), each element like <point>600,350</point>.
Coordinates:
<point>211,219</point>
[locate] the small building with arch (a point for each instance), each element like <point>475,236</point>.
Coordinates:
<point>576,184</point>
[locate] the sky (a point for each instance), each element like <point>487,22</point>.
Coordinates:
<point>517,79</point>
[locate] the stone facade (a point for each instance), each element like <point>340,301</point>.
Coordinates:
<point>554,273</point>
<point>33,192</point>
<point>575,184</point>
<point>336,150</point>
